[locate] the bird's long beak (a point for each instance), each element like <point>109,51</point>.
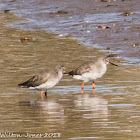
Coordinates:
<point>112,63</point>
<point>65,72</point>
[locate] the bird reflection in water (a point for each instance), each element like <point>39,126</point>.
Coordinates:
<point>92,106</point>
<point>47,110</point>
<point>83,92</point>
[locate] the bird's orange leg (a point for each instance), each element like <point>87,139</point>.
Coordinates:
<point>42,94</point>
<point>93,85</point>
<point>82,86</point>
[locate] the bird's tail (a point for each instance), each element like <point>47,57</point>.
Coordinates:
<point>24,84</point>
<point>69,73</point>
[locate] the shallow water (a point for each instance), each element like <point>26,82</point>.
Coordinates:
<point>111,113</point>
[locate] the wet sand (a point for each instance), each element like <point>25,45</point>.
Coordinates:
<point>82,19</point>
<point>113,112</point>
<point>123,35</point>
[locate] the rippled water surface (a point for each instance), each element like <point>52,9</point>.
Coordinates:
<point>113,112</point>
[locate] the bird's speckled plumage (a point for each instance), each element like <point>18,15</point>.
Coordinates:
<point>45,80</point>
<point>90,70</point>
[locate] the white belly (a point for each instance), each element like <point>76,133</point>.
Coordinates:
<point>48,84</point>
<point>89,76</point>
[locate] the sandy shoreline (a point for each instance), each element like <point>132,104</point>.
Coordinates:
<point>54,49</point>
<point>122,37</point>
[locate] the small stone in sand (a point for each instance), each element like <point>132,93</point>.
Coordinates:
<point>26,39</point>
<point>6,11</point>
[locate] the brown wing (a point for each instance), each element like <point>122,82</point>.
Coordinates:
<point>87,67</point>
<point>34,81</point>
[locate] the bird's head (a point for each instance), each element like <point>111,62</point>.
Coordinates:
<point>107,61</point>
<point>60,68</point>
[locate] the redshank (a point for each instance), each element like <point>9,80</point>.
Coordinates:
<point>91,71</point>
<point>45,80</point>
